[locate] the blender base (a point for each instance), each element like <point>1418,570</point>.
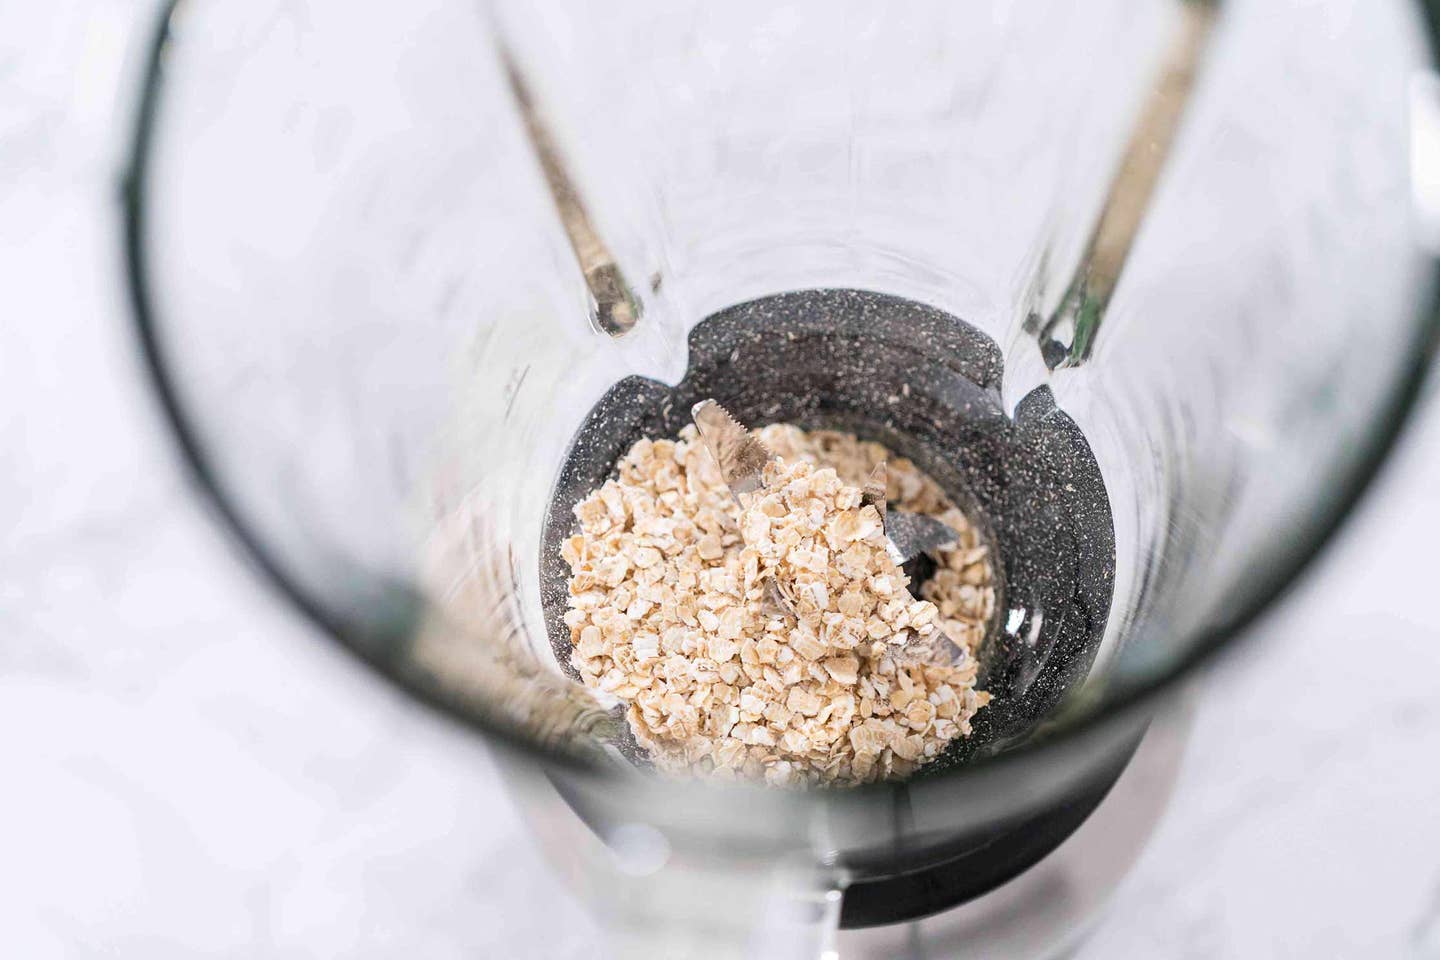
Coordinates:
<point>1040,914</point>
<point>1046,910</point>
<point>978,864</point>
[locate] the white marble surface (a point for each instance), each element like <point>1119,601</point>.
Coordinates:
<point>186,769</point>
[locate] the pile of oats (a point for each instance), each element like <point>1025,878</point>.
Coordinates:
<point>667,613</point>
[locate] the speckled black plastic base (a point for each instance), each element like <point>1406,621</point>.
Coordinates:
<point>927,385</point>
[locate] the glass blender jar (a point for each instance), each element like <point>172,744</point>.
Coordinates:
<point>1150,285</point>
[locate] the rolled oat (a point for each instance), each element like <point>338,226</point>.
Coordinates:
<point>668,613</point>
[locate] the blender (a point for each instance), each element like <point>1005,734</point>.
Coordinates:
<point>1147,287</point>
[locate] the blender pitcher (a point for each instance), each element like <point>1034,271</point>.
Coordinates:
<point>1148,288</point>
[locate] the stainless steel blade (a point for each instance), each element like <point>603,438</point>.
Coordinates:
<point>914,533</point>
<point>874,492</point>
<point>740,456</point>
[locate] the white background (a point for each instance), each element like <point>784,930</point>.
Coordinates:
<point>186,769</point>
